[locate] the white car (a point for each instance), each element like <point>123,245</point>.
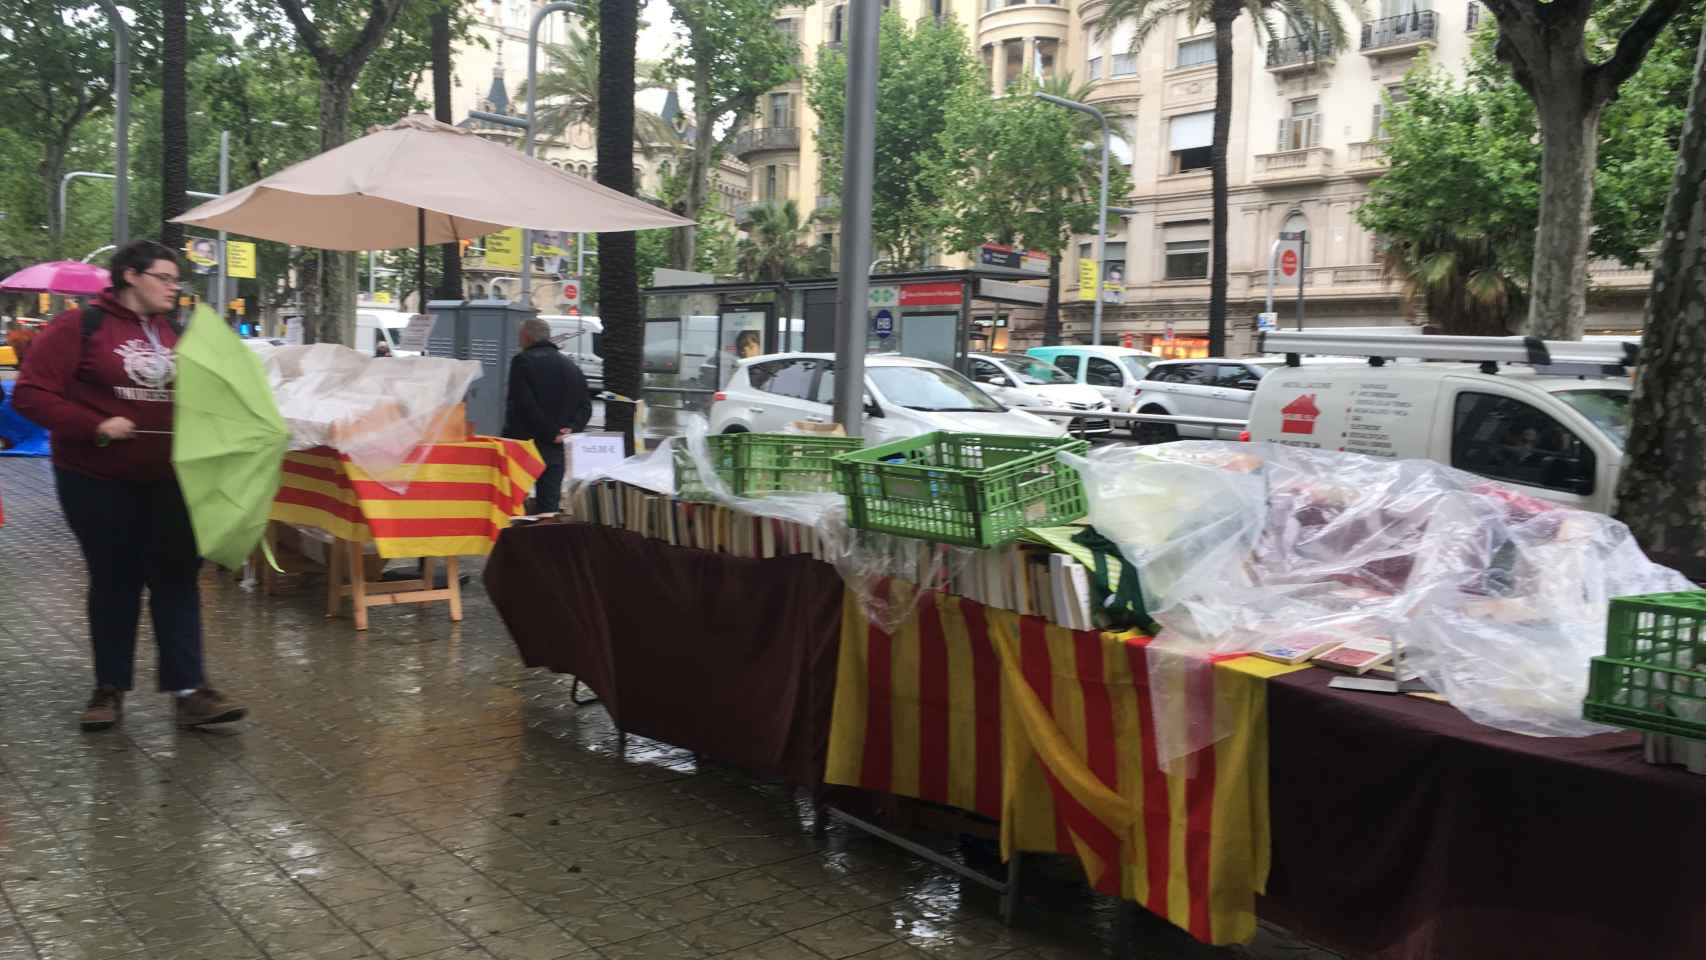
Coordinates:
<point>1219,388</point>
<point>904,397</point>
<point>1114,372</point>
<point>1021,380</point>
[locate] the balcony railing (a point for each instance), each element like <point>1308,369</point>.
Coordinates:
<point>826,202</point>
<point>1404,30</point>
<point>1300,50</point>
<point>1123,65</point>
<point>1312,163</point>
<point>766,138</point>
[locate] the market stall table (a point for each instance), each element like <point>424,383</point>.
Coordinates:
<point>457,499</point>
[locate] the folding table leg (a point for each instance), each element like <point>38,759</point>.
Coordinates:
<point>334,578</point>
<point>357,584</point>
<point>453,580</point>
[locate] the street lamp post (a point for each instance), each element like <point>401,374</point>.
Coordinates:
<point>1102,206</point>
<point>121,124</point>
<point>527,138</point>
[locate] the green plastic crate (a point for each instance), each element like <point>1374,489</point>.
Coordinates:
<point>754,464</point>
<point>977,490</point>
<point>1653,674</point>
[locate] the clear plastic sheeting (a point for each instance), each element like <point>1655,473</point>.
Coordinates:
<point>1497,600</point>
<point>376,411</point>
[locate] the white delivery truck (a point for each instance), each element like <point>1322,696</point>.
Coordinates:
<point>1547,417</point>
<point>374,325</point>
<point>579,337</point>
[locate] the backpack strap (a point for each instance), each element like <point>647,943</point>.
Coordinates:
<point>90,320</point>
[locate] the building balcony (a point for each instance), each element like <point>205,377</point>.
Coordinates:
<point>1367,159</point>
<point>1395,36</point>
<point>745,209</point>
<point>826,204</point>
<point>766,138</point>
<point>1301,52</point>
<point>1294,166</point>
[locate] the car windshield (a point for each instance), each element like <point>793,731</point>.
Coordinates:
<point>1606,409</point>
<point>1033,370</point>
<point>1138,366</point>
<point>931,389</point>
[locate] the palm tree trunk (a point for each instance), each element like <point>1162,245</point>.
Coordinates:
<point>450,277</point>
<point>1051,306</point>
<point>618,280</point>
<point>1226,12</point>
<point>1662,497</point>
<point>174,120</point>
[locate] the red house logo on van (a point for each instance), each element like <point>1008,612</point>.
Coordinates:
<point>1299,415</point>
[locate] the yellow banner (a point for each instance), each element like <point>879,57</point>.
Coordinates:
<point>44,302</point>
<point>240,259</point>
<point>503,249</point>
<point>1086,279</point>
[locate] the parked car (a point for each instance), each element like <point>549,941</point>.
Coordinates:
<point>581,340</point>
<point>1559,438</point>
<point>1219,388</point>
<point>1113,371</point>
<point>1021,380</point>
<point>904,397</point>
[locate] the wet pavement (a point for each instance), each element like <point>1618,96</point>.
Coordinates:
<point>414,792</point>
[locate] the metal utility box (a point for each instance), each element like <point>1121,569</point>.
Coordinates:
<point>483,330</point>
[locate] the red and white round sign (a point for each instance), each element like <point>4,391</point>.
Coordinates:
<point>1288,263</point>
<point>571,291</point>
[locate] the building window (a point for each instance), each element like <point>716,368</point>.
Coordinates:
<point>1302,129</point>
<point>837,24</point>
<point>1190,140</point>
<point>1186,250</point>
<point>1123,65</point>
<point>790,29</point>
<point>1047,52</point>
<point>772,182</point>
<point>1095,67</point>
<point>1195,52</point>
<point>1382,110</point>
<point>781,110</point>
<point>1012,62</point>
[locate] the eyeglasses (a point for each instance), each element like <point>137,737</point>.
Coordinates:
<point>169,279</point>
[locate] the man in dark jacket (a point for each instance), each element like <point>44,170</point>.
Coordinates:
<point>548,400</point>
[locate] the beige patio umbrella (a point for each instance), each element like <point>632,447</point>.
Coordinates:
<point>419,182</point>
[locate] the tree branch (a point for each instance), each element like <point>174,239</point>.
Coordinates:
<point>380,15</point>
<point>1604,78</point>
<point>308,33</point>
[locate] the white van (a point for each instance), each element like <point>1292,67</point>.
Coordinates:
<point>373,325</point>
<point>1114,371</point>
<point>1555,436</point>
<point>581,338</point>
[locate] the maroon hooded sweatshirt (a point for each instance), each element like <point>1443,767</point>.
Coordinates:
<point>70,384</point>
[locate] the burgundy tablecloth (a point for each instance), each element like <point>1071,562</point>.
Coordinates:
<point>729,657</point>
<point>1401,829</point>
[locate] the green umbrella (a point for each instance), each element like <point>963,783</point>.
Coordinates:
<point>228,440</point>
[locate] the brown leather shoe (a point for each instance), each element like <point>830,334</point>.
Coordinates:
<point>207,706</point>
<point>106,706</point>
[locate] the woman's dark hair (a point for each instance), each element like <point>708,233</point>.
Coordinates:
<point>137,255</point>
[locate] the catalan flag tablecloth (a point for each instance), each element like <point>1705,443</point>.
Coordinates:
<point>1049,731</point>
<point>459,497</point>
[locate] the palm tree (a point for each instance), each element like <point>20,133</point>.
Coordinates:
<point>618,271</point>
<point>1306,18</point>
<point>1460,279</point>
<point>776,246</point>
<point>174,120</point>
<point>450,254</point>
<point>568,94</point>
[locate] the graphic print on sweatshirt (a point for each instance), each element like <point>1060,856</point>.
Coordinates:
<point>151,366</point>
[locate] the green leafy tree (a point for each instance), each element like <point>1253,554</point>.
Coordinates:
<point>1320,20</point>
<point>1021,171</point>
<point>1662,493</point>
<point>1467,255</point>
<point>776,246</point>
<point>729,55</point>
<point>1552,51</point>
<point>917,69</point>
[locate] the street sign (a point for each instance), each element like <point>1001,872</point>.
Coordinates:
<point>1086,279</point>
<point>932,294</point>
<point>1167,330</point>
<point>414,338</point>
<point>572,293</point>
<point>503,249</point>
<point>877,298</point>
<point>1267,321</point>
<point>883,325</point>
<point>1288,262</point>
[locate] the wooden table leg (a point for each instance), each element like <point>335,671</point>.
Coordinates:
<point>334,577</point>
<point>357,584</point>
<point>453,582</point>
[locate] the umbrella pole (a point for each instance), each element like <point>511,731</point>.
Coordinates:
<point>420,257</point>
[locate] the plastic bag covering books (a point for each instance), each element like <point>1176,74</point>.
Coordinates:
<point>376,411</point>
<point>1497,599</point>
<point>886,573</point>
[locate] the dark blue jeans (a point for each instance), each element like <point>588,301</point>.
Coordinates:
<point>136,536</point>
<point>548,492</point>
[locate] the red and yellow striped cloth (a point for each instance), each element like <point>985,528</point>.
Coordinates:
<point>1049,730</point>
<point>459,497</point>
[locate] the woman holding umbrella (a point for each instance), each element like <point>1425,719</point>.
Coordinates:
<point>100,380</point>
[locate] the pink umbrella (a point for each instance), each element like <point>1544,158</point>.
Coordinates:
<point>59,276</point>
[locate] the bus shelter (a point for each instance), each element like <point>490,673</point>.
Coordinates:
<point>696,334</point>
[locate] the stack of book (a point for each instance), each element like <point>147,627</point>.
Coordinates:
<point>1025,578</point>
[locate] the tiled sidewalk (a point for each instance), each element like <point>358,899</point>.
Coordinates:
<point>413,792</point>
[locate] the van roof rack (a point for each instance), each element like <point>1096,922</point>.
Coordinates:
<point>1565,357</point>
